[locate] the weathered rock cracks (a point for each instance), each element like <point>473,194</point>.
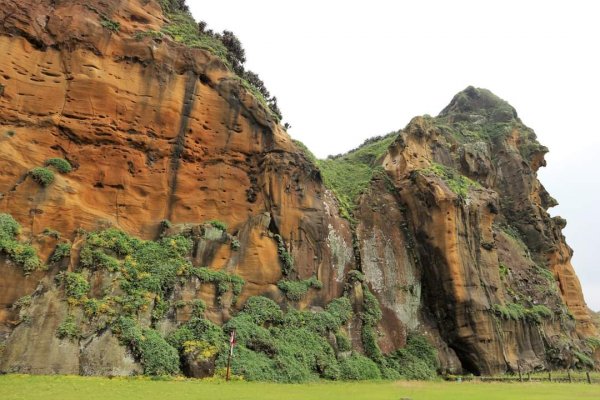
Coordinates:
<point>453,238</point>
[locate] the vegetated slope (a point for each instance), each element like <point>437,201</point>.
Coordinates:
<point>348,175</point>
<point>150,203</point>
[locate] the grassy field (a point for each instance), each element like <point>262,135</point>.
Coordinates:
<point>22,387</point>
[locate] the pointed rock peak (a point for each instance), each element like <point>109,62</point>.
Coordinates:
<point>473,103</point>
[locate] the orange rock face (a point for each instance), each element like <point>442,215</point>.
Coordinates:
<point>478,241</point>
<point>157,131</point>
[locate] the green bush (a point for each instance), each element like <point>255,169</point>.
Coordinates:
<point>342,341</point>
<point>290,347</point>
<point>287,261</point>
<point>417,360</point>
<point>503,270</point>
<point>158,357</point>
<point>537,313</point>
<point>218,224</point>
<point>97,259</point>
<point>545,273</point>
<point>198,329</point>
<point>262,310</point>
<point>62,250</point>
<point>371,315</point>
<point>583,360</point>
<point>165,224</point>
<point>111,25</point>
<point>198,308</point>
<point>76,286</point>
<point>355,276</point>
<point>61,165</point>
<point>140,35</point>
<point>42,175</point>
<point>341,310</point>
<point>358,367</point>
<point>296,290</point>
<point>51,233</point>
<point>68,329</point>
<point>515,312</point>
<point>20,253</point>
<point>22,302</point>
<point>253,366</point>
<point>146,266</point>
<point>593,342</point>
<point>223,281</point>
<point>226,46</point>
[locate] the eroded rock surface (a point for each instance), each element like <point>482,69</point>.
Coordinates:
<point>164,138</point>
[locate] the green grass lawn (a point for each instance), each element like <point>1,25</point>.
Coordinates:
<point>13,387</point>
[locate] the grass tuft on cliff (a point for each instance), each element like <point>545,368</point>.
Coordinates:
<point>348,175</point>
<point>456,182</point>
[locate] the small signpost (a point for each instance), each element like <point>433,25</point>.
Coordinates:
<point>231,344</point>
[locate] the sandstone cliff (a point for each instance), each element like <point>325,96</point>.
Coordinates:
<point>183,186</point>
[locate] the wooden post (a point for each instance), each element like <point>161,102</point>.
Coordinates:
<point>550,376</point>
<point>528,376</point>
<point>231,344</point>
<point>587,373</point>
<point>569,374</point>
<point>520,376</point>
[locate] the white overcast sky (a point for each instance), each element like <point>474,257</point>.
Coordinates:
<point>344,71</point>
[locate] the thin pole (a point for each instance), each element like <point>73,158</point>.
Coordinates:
<point>587,373</point>
<point>550,376</point>
<point>231,344</point>
<point>569,373</point>
<point>520,376</point>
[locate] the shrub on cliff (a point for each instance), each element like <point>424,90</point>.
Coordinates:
<point>173,5</point>
<point>76,285</point>
<point>290,347</point>
<point>157,356</point>
<point>218,224</point>
<point>61,251</point>
<point>226,45</point>
<point>417,360</point>
<point>358,367</point>
<point>61,165</point>
<point>42,175</point>
<point>236,55</point>
<point>111,25</point>
<point>21,253</point>
<point>456,182</point>
<point>68,329</point>
<point>296,290</point>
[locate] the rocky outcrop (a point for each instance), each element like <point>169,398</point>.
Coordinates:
<point>479,236</point>
<point>452,235</point>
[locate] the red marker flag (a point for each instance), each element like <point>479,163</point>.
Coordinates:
<point>232,341</point>
<point>231,344</point>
